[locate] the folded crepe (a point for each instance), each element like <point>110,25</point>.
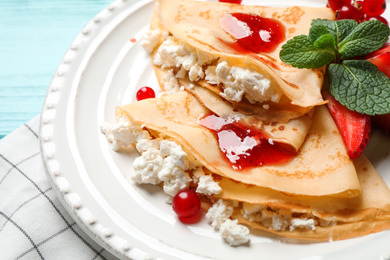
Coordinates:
<point>314,218</point>
<point>321,167</point>
<point>291,134</point>
<point>192,43</point>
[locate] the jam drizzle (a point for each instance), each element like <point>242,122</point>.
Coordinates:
<point>253,33</point>
<point>242,146</point>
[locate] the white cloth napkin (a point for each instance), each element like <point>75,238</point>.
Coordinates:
<point>33,223</point>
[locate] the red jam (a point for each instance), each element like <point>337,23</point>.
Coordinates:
<point>254,33</point>
<point>231,1</point>
<point>243,146</point>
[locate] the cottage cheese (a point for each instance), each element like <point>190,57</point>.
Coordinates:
<point>239,82</point>
<point>123,133</point>
<point>172,54</point>
<point>207,185</point>
<point>171,84</point>
<point>278,220</point>
<point>151,38</point>
<point>219,213</point>
<point>161,161</point>
<point>166,164</point>
<point>147,167</point>
<point>302,224</point>
<point>233,233</point>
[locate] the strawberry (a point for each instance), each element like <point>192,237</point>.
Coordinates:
<point>381,58</point>
<point>354,128</point>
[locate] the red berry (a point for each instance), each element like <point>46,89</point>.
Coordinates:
<point>144,93</point>
<point>348,12</point>
<point>231,1</point>
<point>381,58</point>
<point>373,7</point>
<point>354,128</point>
<point>186,204</point>
<point>385,48</point>
<point>337,4</point>
<point>358,3</point>
<point>378,18</point>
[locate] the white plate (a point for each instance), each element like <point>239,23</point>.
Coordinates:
<point>103,68</point>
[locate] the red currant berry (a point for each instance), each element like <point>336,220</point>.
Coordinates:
<point>348,12</point>
<point>186,204</point>
<point>358,4</point>
<point>144,93</point>
<point>378,18</point>
<point>373,7</point>
<point>337,4</point>
<point>231,1</point>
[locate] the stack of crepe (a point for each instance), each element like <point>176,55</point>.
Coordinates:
<point>343,198</point>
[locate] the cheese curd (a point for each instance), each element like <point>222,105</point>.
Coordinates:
<point>151,38</point>
<point>239,82</point>
<point>164,162</point>
<point>219,213</point>
<point>160,161</point>
<point>232,232</point>
<point>171,84</point>
<point>236,82</point>
<point>123,133</point>
<point>207,186</point>
<point>297,223</point>
<point>172,54</point>
<point>281,220</point>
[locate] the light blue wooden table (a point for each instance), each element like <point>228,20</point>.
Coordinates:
<point>34,35</point>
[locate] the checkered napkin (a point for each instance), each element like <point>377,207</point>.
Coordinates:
<point>33,223</point>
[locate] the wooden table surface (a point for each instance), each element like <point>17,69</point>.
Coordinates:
<point>34,35</point>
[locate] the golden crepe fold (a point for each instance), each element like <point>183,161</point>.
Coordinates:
<point>197,24</point>
<point>349,217</point>
<point>321,166</point>
<point>292,134</point>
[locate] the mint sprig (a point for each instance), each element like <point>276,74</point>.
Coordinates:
<point>357,84</point>
<point>360,85</point>
<point>364,39</point>
<point>302,53</point>
<point>339,29</point>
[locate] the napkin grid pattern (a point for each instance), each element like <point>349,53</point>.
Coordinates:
<point>33,222</point>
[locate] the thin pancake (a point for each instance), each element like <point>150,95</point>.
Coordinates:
<point>321,167</point>
<point>292,134</point>
<point>191,22</point>
<point>368,213</point>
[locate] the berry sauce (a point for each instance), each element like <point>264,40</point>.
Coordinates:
<point>244,147</point>
<point>253,33</point>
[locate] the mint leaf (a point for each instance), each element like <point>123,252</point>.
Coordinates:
<point>299,52</point>
<point>326,41</point>
<point>317,30</point>
<point>339,29</point>
<point>360,86</point>
<point>365,38</point>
